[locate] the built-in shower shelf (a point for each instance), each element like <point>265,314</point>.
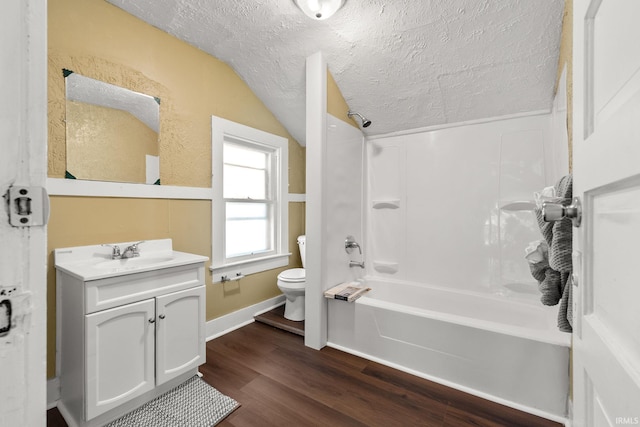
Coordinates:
<point>385,204</point>
<point>385,267</point>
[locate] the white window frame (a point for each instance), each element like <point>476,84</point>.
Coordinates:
<point>225,130</point>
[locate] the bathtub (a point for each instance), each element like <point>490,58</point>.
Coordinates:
<point>499,349</point>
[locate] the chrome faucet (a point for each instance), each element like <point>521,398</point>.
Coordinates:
<point>350,244</point>
<point>115,253</point>
<point>132,251</point>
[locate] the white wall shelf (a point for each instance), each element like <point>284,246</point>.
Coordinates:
<point>385,204</point>
<point>385,267</point>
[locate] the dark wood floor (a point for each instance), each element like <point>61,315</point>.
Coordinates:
<point>280,382</point>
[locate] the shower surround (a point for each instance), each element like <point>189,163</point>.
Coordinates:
<point>446,207</point>
<point>448,214</point>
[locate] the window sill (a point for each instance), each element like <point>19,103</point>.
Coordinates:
<point>244,268</point>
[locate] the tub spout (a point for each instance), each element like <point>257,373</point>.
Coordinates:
<point>356,264</point>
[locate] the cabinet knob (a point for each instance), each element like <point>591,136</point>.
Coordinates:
<point>161,316</point>
<point>152,320</point>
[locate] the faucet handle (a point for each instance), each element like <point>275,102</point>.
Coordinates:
<point>350,243</point>
<point>115,253</point>
<point>135,249</point>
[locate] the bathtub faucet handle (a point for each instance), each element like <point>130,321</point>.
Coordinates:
<point>350,243</point>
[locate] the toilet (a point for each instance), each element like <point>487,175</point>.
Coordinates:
<point>292,283</point>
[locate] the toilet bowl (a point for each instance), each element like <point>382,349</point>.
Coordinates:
<point>292,284</point>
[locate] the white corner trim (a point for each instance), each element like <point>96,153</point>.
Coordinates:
<point>53,392</point>
<point>295,197</point>
<point>315,327</point>
<point>78,187</point>
<point>232,321</point>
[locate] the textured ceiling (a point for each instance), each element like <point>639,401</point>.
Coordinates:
<point>404,64</point>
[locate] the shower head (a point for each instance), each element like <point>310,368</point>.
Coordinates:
<point>365,122</point>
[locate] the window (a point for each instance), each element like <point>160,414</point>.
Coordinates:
<point>250,226</point>
<point>248,194</point>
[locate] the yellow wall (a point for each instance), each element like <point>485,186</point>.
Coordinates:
<point>98,40</point>
<point>566,60</point>
<point>336,105</point>
<point>107,144</point>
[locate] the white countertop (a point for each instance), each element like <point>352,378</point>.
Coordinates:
<point>94,262</point>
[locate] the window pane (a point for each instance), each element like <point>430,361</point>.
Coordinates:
<point>246,210</point>
<point>248,228</point>
<point>242,156</point>
<point>241,183</point>
<point>244,237</point>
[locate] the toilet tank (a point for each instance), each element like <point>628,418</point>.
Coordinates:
<point>301,245</point>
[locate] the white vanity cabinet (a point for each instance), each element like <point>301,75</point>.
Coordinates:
<point>179,345</point>
<point>127,338</point>
<point>119,356</point>
<point>132,348</point>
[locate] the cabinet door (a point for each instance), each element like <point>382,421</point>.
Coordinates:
<point>119,354</point>
<point>180,342</point>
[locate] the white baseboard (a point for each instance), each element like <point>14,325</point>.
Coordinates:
<point>232,321</point>
<point>53,392</point>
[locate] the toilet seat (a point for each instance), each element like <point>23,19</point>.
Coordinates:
<point>293,275</point>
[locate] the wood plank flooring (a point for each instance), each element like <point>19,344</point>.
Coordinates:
<point>280,382</point>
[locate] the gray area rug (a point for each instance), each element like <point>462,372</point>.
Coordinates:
<point>193,403</point>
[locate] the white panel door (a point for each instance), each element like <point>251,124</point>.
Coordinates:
<point>180,340</point>
<point>607,176</point>
<point>23,252</point>
<point>119,355</point>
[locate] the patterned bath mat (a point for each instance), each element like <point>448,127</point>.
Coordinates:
<point>193,403</point>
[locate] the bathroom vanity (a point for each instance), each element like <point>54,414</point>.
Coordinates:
<point>128,329</point>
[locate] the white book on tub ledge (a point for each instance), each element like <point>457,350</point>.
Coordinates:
<point>348,291</point>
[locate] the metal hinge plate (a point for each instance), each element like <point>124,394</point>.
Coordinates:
<point>28,206</point>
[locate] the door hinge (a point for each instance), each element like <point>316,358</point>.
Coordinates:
<point>28,206</point>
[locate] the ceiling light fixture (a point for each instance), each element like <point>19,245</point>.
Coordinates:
<point>319,9</point>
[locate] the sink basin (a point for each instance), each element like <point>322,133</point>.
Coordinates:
<point>94,262</point>
<point>134,262</point>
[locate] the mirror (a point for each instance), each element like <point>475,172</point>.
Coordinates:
<point>112,132</point>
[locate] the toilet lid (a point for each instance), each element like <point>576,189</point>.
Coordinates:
<point>293,275</point>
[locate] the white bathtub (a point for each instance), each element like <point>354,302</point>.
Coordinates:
<point>507,351</point>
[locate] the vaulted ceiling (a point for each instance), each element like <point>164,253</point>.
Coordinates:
<point>404,64</point>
